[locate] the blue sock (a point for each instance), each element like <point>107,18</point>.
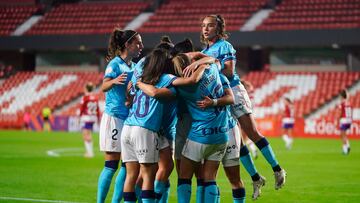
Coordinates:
<point>211,192</point>
<point>105,178</point>
<point>159,188</point>
<point>200,190</point>
<point>247,161</point>
<point>268,153</point>
<point>239,195</point>
<point>165,195</point>
<point>184,190</point>
<point>119,185</point>
<point>148,196</point>
<point>138,193</point>
<point>218,196</point>
<point>129,197</point>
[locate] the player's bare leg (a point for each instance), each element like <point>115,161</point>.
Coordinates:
<point>248,124</point>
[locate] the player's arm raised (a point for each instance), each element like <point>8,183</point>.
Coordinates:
<point>193,79</point>
<point>196,55</point>
<point>157,93</point>
<point>192,67</point>
<point>165,93</point>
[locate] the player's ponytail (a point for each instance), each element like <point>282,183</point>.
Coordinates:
<point>117,42</point>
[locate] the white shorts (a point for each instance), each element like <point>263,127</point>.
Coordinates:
<point>242,104</point>
<point>163,142</point>
<point>110,132</point>
<point>232,153</point>
<point>198,152</point>
<point>139,145</point>
<point>183,127</point>
<point>345,121</point>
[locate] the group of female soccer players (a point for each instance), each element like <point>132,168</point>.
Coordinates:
<point>181,102</point>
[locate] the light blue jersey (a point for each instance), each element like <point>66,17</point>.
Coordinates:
<point>170,109</point>
<point>115,97</point>
<point>223,51</point>
<point>210,125</point>
<point>169,120</point>
<point>137,74</point>
<point>146,111</point>
<point>225,83</point>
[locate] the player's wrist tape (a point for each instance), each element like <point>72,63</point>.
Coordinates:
<point>215,102</point>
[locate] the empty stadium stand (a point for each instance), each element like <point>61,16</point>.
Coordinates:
<point>31,91</point>
<point>308,90</point>
<point>313,14</point>
<point>185,16</point>
<point>87,18</point>
<point>11,16</point>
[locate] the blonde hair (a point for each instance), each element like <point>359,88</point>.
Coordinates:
<point>180,61</point>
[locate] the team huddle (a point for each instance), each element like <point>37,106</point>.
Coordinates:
<point>179,103</point>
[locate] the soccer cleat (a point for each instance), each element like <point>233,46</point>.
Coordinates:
<point>280,177</point>
<point>346,151</point>
<point>257,187</point>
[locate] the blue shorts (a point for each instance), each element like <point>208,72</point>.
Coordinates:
<point>88,125</point>
<point>288,125</point>
<point>345,126</point>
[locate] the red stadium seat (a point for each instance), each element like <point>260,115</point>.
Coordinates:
<point>328,85</point>
<point>87,18</point>
<point>167,17</point>
<point>12,16</point>
<point>55,98</point>
<point>310,14</point>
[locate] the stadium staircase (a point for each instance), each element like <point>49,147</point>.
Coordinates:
<point>12,16</point>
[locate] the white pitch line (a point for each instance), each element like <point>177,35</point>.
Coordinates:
<point>34,200</point>
<point>57,152</point>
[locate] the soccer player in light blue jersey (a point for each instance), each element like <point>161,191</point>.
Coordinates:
<point>208,136</point>
<point>140,140</point>
<point>159,93</point>
<point>213,35</point>
<point>183,125</point>
<point>230,160</point>
<point>166,136</point>
<point>124,45</point>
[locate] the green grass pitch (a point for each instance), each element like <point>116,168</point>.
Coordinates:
<point>317,171</point>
